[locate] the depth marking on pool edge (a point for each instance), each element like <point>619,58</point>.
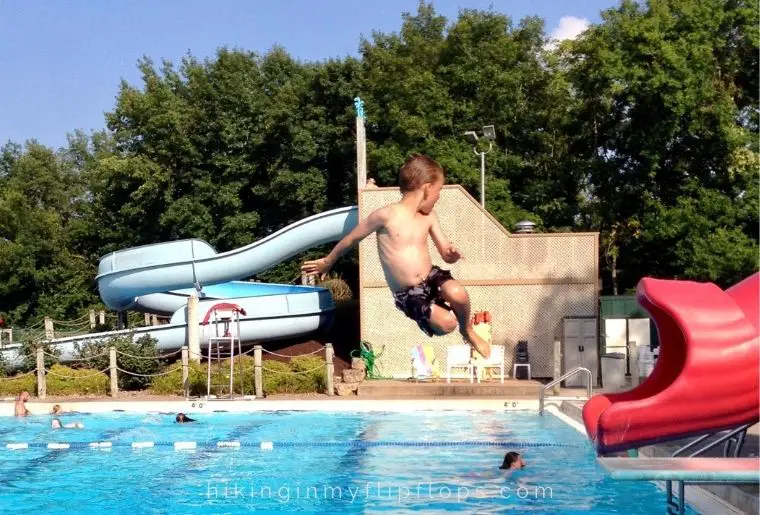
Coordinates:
<point>270,445</point>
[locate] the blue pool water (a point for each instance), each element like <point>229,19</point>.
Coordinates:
<point>365,463</point>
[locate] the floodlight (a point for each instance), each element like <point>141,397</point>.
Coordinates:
<point>489,132</point>
<point>472,136</point>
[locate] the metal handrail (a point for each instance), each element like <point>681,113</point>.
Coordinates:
<point>574,371</point>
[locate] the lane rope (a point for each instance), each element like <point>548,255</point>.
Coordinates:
<point>270,445</point>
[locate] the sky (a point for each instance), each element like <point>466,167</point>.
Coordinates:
<point>61,62</point>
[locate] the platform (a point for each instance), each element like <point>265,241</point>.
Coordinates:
<point>511,388</point>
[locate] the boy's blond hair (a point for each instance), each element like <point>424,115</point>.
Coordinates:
<point>418,170</point>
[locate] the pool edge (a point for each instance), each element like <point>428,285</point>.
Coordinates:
<point>258,405</point>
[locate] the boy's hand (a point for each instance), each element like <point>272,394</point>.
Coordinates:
<point>452,255</point>
<point>318,266</point>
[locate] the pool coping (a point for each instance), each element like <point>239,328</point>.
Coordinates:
<point>198,406</point>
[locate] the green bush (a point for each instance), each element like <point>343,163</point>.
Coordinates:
<point>16,384</point>
<point>86,381</point>
<point>141,357</point>
<point>278,377</point>
<point>171,384</point>
<point>301,375</point>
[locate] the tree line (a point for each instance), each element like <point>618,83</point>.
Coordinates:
<point>644,128</point>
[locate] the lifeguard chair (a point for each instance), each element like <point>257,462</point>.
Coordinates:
<point>225,319</point>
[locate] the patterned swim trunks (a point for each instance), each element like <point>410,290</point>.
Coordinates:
<point>417,301</point>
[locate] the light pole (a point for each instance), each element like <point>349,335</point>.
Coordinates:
<point>489,134</point>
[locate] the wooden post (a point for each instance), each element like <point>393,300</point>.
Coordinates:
<point>259,387</point>
<point>114,376</point>
<point>361,146</point>
<point>49,331</point>
<point>154,320</point>
<point>329,369</point>
<point>92,319</point>
<point>102,317</point>
<point>41,384</point>
<point>193,336</point>
<point>146,319</point>
<point>185,383</point>
<point>557,364</point>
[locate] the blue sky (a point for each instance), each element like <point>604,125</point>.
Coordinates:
<point>61,62</point>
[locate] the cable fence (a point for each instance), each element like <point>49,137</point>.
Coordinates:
<point>110,370</point>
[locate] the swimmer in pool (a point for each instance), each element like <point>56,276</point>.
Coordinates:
<point>20,409</point>
<point>183,419</point>
<point>56,424</point>
<point>512,460</point>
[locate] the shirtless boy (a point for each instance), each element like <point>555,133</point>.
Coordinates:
<point>20,409</point>
<point>425,293</point>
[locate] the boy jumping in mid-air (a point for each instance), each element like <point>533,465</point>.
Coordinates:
<point>423,292</point>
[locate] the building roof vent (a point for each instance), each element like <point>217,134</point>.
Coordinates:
<point>525,227</point>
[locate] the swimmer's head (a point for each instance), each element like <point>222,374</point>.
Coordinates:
<point>512,460</point>
<point>182,418</point>
<point>57,408</point>
<point>56,423</point>
<point>23,396</point>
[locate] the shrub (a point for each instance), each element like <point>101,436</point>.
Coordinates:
<point>302,375</point>
<point>340,290</point>
<point>85,381</point>
<point>17,384</point>
<point>140,357</point>
<point>171,383</point>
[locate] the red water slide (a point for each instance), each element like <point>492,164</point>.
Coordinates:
<point>706,377</point>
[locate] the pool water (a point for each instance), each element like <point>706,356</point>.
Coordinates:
<point>319,462</point>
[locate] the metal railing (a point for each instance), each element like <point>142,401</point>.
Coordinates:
<point>589,381</point>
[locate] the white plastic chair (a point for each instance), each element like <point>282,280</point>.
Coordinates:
<point>496,360</point>
<point>458,356</point>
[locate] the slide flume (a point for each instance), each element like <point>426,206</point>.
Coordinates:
<point>158,279</point>
<point>125,275</point>
<point>706,378</point>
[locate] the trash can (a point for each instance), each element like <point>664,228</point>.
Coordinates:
<point>646,361</point>
<point>613,371</point>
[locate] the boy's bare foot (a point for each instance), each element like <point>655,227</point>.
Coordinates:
<point>482,346</point>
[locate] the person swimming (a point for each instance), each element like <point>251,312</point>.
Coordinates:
<point>183,419</point>
<point>56,424</point>
<point>512,460</point>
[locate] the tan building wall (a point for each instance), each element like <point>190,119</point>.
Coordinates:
<point>528,282</point>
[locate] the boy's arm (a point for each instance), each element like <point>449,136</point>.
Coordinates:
<point>372,223</point>
<point>447,251</point>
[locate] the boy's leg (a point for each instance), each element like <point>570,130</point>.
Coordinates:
<point>457,297</point>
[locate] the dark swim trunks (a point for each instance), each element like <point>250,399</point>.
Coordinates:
<point>417,301</point>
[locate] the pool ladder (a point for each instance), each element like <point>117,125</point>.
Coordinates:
<point>578,370</point>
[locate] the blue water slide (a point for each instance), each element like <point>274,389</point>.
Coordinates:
<point>158,279</point>
<point>125,275</point>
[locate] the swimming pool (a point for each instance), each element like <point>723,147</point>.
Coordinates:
<point>318,462</point>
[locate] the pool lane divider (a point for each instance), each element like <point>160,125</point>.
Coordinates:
<point>270,445</point>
